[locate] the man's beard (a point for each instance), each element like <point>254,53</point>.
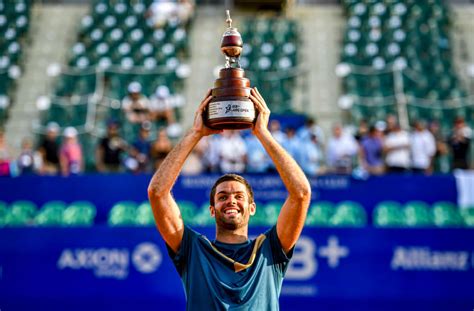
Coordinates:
<point>230,224</point>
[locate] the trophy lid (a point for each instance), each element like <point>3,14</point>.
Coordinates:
<point>230,31</point>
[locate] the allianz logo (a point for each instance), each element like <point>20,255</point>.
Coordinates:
<point>114,263</point>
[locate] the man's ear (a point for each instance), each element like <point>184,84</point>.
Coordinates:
<point>212,210</point>
<point>252,208</point>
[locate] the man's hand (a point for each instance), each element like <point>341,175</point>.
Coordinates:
<point>261,125</point>
<point>199,127</point>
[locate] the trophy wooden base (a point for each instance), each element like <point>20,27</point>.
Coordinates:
<point>231,107</point>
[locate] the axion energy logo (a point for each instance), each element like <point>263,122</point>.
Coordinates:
<point>112,262</point>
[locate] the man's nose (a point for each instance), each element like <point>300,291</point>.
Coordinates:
<point>231,200</point>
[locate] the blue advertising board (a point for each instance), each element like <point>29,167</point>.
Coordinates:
<point>104,268</point>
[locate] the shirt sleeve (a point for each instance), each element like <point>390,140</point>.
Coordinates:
<point>180,258</point>
<point>280,258</point>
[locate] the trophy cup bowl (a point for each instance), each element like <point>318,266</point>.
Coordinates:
<point>231,107</point>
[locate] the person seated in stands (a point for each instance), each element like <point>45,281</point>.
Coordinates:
<point>49,150</point>
<point>160,105</point>
<point>142,147</point>
<point>341,151</point>
<point>110,150</point>
<point>5,155</point>
<point>70,154</point>
<point>292,144</point>
<point>232,152</point>
<point>136,105</point>
<point>423,148</point>
<point>459,142</point>
<point>161,12</point>
<point>29,161</point>
<point>371,151</point>
<point>312,156</point>
<point>160,147</point>
<point>440,162</point>
<point>277,133</point>
<point>210,158</point>
<point>397,150</point>
<point>258,160</point>
<point>310,128</point>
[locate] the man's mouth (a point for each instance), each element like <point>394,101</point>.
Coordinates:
<point>231,211</point>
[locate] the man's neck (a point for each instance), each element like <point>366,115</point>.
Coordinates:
<point>236,236</point>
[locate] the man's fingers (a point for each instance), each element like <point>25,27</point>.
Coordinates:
<point>257,102</point>
<point>204,103</point>
<point>258,95</point>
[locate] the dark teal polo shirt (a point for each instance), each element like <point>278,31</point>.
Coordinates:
<point>221,276</point>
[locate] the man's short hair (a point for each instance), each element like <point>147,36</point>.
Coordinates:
<point>231,177</point>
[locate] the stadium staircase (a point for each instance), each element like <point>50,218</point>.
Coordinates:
<point>50,38</point>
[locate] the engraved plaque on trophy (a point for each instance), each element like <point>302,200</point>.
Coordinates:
<point>231,107</point>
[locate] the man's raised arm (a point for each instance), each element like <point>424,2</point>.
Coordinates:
<point>165,210</point>
<point>293,213</point>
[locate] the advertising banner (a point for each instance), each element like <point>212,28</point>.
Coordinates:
<point>103,268</point>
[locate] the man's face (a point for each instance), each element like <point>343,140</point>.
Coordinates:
<point>232,209</point>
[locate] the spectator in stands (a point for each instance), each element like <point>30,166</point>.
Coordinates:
<point>391,123</point>
<point>5,155</point>
<point>371,152</point>
<point>362,130</point>
<point>194,164</point>
<point>397,150</point>
<point>292,144</point>
<point>70,154</point>
<point>142,147</point>
<point>110,150</point>
<point>160,147</point>
<point>211,156</point>
<point>161,12</point>
<point>312,156</point>
<point>423,148</point>
<point>49,150</point>
<point>29,161</point>
<point>258,160</point>
<point>310,128</point>
<point>160,105</point>
<point>277,133</point>
<point>232,152</point>
<point>136,105</point>
<point>440,161</point>
<point>341,151</point>
<point>459,142</point>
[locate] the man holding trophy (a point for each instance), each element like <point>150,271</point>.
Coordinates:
<point>231,271</point>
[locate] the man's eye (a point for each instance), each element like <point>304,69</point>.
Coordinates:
<point>222,198</point>
<point>239,197</point>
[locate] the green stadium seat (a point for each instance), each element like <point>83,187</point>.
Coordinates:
<point>79,213</point>
<point>259,219</point>
<point>3,213</point>
<point>349,214</point>
<point>51,214</point>
<point>145,215</point>
<point>417,214</point>
<point>388,214</point>
<point>123,213</point>
<point>468,216</point>
<point>319,214</point>
<point>188,211</point>
<point>271,211</point>
<point>446,214</point>
<point>21,213</point>
<point>203,217</point>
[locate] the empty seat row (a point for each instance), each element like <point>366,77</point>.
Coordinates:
<point>25,213</point>
<point>420,214</point>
